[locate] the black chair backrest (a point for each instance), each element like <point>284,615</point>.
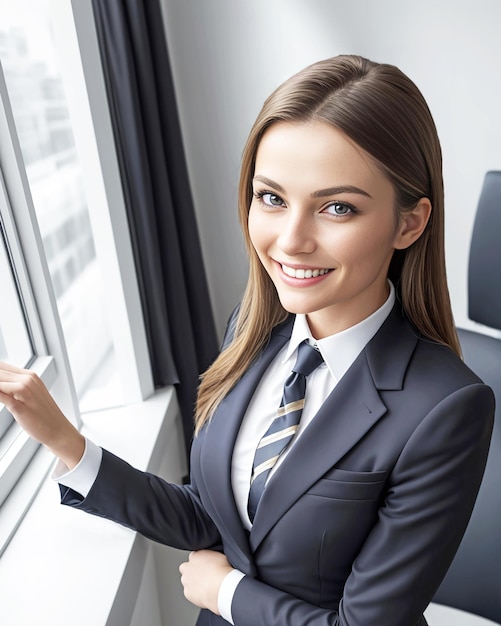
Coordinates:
<point>473,582</point>
<point>484,273</point>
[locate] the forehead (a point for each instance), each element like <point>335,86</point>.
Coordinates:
<point>315,153</point>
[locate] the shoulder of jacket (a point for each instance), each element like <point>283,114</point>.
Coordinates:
<point>230,327</point>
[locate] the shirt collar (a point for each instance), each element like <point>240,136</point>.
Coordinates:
<point>341,349</point>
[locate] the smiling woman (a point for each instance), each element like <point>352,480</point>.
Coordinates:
<point>336,427</point>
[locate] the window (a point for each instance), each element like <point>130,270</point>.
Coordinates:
<point>15,340</point>
<point>66,264</point>
<point>21,337</point>
<point>39,107</point>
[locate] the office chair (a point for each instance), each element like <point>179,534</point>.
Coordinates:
<point>473,582</point>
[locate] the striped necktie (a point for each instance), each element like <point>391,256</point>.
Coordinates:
<point>284,426</point>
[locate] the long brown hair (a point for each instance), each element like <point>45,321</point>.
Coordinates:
<point>382,111</point>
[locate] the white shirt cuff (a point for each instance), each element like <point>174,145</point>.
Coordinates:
<point>226,593</point>
<point>82,476</point>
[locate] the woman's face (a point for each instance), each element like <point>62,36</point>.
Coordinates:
<point>322,221</point>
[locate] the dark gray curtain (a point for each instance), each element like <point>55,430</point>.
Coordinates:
<point>179,323</point>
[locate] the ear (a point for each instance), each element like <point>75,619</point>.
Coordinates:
<point>412,224</point>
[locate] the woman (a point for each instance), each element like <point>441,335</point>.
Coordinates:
<point>355,515</point>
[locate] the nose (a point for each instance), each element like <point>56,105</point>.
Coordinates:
<point>296,233</point>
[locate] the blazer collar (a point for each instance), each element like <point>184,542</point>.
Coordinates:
<point>389,351</point>
<point>346,416</point>
<point>218,441</point>
<point>350,411</point>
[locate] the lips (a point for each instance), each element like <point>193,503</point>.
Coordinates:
<point>303,273</point>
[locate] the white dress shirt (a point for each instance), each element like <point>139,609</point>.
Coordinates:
<point>339,351</point>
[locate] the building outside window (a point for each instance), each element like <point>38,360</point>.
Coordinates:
<point>44,129</point>
<point>70,306</point>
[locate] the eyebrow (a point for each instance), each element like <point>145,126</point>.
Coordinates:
<point>321,193</point>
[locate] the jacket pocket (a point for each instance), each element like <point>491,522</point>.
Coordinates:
<point>347,485</point>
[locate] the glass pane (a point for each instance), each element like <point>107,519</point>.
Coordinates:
<point>15,341</point>
<point>46,138</point>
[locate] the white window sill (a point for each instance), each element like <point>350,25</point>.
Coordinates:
<point>65,567</point>
<point>439,615</point>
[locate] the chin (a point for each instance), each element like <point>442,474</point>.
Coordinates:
<point>295,308</point>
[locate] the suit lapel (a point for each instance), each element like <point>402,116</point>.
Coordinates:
<point>217,450</point>
<point>348,414</point>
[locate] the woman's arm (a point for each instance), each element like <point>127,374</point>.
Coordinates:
<point>164,512</point>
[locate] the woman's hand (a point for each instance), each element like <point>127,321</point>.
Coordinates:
<point>32,406</point>
<point>201,577</point>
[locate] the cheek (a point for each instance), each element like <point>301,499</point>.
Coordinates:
<point>370,245</point>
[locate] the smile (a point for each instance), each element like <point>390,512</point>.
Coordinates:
<point>303,273</point>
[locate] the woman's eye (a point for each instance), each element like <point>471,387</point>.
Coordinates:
<point>271,199</point>
<point>339,208</point>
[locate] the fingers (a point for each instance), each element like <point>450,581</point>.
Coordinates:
<point>28,400</point>
<point>11,374</point>
<point>184,564</point>
<point>10,388</point>
<point>8,367</point>
<point>202,576</point>
<point>7,391</point>
<point>20,385</point>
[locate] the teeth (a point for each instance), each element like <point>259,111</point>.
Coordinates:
<point>301,273</point>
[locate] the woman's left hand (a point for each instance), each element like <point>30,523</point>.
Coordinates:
<point>201,577</point>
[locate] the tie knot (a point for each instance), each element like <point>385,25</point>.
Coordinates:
<point>308,359</point>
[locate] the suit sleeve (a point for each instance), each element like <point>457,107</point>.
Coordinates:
<point>167,513</point>
<point>430,497</point>
<point>162,511</point>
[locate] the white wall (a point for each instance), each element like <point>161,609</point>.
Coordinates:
<point>228,55</point>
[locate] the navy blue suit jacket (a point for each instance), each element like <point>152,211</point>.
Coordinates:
<point>360,523</point>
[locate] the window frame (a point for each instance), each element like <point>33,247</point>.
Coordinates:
<point>78,52</point>
<point>50,359</point>
<point>80,61</point>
